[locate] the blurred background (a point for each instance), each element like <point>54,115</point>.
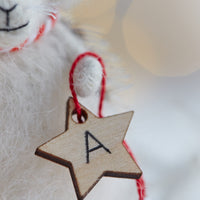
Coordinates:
<point>158,43</point>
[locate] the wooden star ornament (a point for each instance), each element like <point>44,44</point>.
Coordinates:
<point>92,149</point>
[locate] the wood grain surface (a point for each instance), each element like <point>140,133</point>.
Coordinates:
<point>92,149</point>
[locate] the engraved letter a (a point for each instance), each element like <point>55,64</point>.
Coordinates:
<point>100,145</point>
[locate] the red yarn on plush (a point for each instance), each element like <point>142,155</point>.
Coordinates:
<point>42,30</point>
<point>140,182</point>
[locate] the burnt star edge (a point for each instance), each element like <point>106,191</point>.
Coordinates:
<point>69,165</point>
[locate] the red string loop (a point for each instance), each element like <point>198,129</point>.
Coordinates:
<point>140,182</point>
<point>103,82</point>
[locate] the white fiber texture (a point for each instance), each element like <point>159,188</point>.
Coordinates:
<point>34,90</point>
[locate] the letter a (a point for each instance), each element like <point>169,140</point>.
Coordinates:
<point>87,134</point>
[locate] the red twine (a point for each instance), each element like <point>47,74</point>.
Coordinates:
<point>42,31</point>
<point>103,82</point>
<point>140,182</point>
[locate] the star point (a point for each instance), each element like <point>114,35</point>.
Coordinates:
<point>92,149</point>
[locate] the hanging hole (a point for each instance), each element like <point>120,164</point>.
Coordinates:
<point>83,119</point>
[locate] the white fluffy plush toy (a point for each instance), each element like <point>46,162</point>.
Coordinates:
<point>36,53</point>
